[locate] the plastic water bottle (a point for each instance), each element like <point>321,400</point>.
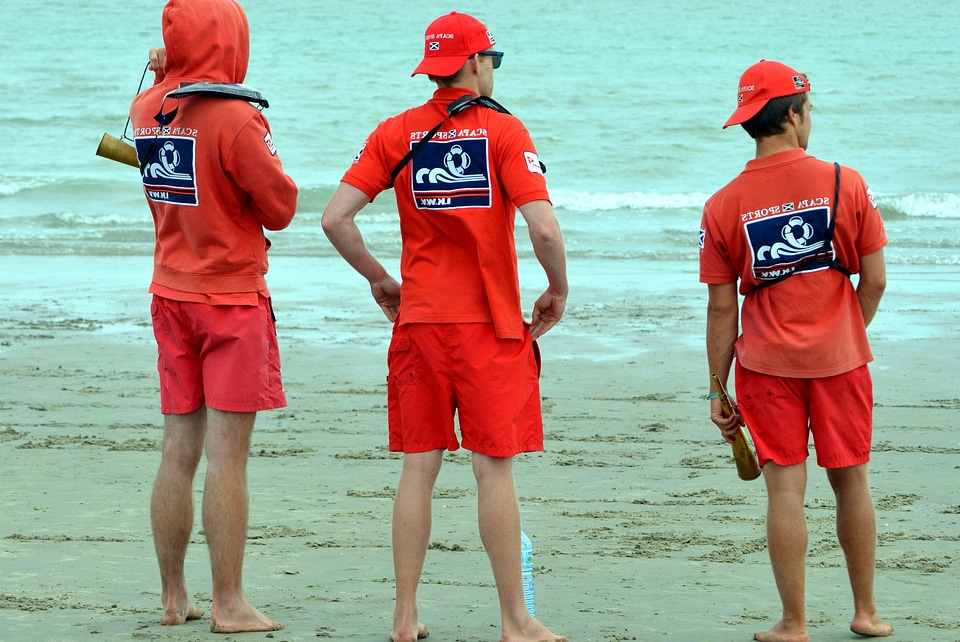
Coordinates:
<point>526,570</point>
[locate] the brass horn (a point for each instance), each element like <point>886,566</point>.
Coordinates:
<point>115,149</point>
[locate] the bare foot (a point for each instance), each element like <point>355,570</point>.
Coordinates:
<point>179,615</point>
<point>783,633</point>
<point>533,631</point>
<point>242,619</point>
<point>407,636</point>
<point>872,627</point>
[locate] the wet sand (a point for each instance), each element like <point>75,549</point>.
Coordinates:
<point>641,528</point>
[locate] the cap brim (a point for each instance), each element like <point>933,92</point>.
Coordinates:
<point>440,65</point>
<point>744,113</point>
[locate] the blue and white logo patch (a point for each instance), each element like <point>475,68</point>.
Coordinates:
<point>170,173</point>
<point>778,244</point>
<point>451,174</point>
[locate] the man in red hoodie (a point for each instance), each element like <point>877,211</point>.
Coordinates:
<point>213,181</point>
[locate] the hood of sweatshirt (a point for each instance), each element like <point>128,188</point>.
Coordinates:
<point>205,40</point>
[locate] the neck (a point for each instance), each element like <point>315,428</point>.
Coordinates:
<point>467,78</point>
<point>472,87</point>
<point>779,143</point>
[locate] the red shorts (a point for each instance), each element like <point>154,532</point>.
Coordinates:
<point>782,412</point>
<point>223,356</point>
<point>493,386</point>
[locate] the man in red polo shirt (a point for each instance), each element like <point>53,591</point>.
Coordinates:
<point>460,343</point>
<point>791,229</point>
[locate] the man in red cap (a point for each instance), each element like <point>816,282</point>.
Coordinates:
<point>460,166</point>
<point>801,226</point>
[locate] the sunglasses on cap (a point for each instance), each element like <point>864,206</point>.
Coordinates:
<point>496,55</point>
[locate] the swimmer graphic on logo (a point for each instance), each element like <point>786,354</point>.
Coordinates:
<point>440,178</point>
<point>779,247</point>
<point>168,176</point>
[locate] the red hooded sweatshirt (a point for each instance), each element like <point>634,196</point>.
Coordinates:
<point>211,176</point>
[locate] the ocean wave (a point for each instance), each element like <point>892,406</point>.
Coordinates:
<point>10,185</point>
<point>313,198</point>
<point>924,204</point>
<point>920,204</point>
<point>74,220</point>
<point>604,201</point>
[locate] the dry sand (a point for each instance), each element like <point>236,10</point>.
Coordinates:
<point>641,528</point>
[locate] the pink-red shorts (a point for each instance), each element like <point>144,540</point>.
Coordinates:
<point>782,412</point>
<point>223,356</point>
<point>437,370</point>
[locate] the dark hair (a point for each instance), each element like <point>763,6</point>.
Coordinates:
<point>769,120</point>
<point>451,80</point>
<point>445,81</point>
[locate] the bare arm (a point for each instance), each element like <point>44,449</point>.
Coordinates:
<point>873,281</point>
<point>548,246</point>
<point>339,226</point>
<point>723,326</point>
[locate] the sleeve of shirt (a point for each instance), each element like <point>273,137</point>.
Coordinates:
<point>716,266</point>
<point>519,165</point>
<point>254,165</point>
<point>370,171</point>
<point>872,235</point>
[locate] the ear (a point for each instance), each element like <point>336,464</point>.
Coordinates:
<point>794,117</point>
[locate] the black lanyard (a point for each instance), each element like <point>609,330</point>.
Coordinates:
<point>220,90</point>
<point>454,108</point>
<point>822,257</point>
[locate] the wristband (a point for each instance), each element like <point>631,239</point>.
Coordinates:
<point>713,395</point>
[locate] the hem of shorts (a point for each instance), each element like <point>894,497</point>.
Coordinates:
<point>413,450</point>
<point>506,452</point>
<point>499,454</point>
<point>165,410</point>
<point>845,463</point>
<point>792,461</point>
<point>268,405</point>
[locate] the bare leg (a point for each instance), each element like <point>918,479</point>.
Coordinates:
<point>857,532</point>
<point>499,519</point>
<point>412,520</point>
<point>787,544</point>
<point>171,511</point>
<point>225,521</point>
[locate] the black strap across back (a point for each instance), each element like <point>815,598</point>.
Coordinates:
<point>826,256</point>
<point>454,108</point>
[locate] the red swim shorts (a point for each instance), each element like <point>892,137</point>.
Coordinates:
<point>437,370</point>
<point>782,412</point>
<point>223,356</point>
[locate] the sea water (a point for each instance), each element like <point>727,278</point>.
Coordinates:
<point>624,100</point>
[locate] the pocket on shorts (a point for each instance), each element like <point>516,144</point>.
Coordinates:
<point>403,361</point>
<point>537,358</point>
<point>160,324</point>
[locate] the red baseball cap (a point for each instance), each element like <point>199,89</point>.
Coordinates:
<point>449,41</point>
<point>760,83</point>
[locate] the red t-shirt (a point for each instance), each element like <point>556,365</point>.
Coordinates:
<point>457,200</point>
<point>769,218</point>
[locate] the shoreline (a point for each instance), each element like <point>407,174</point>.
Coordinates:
<point>641,528</point>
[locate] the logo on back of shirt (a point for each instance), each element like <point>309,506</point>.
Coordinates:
<point>170,173</point>
<point>778,244</point>
<point>451,174</point>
